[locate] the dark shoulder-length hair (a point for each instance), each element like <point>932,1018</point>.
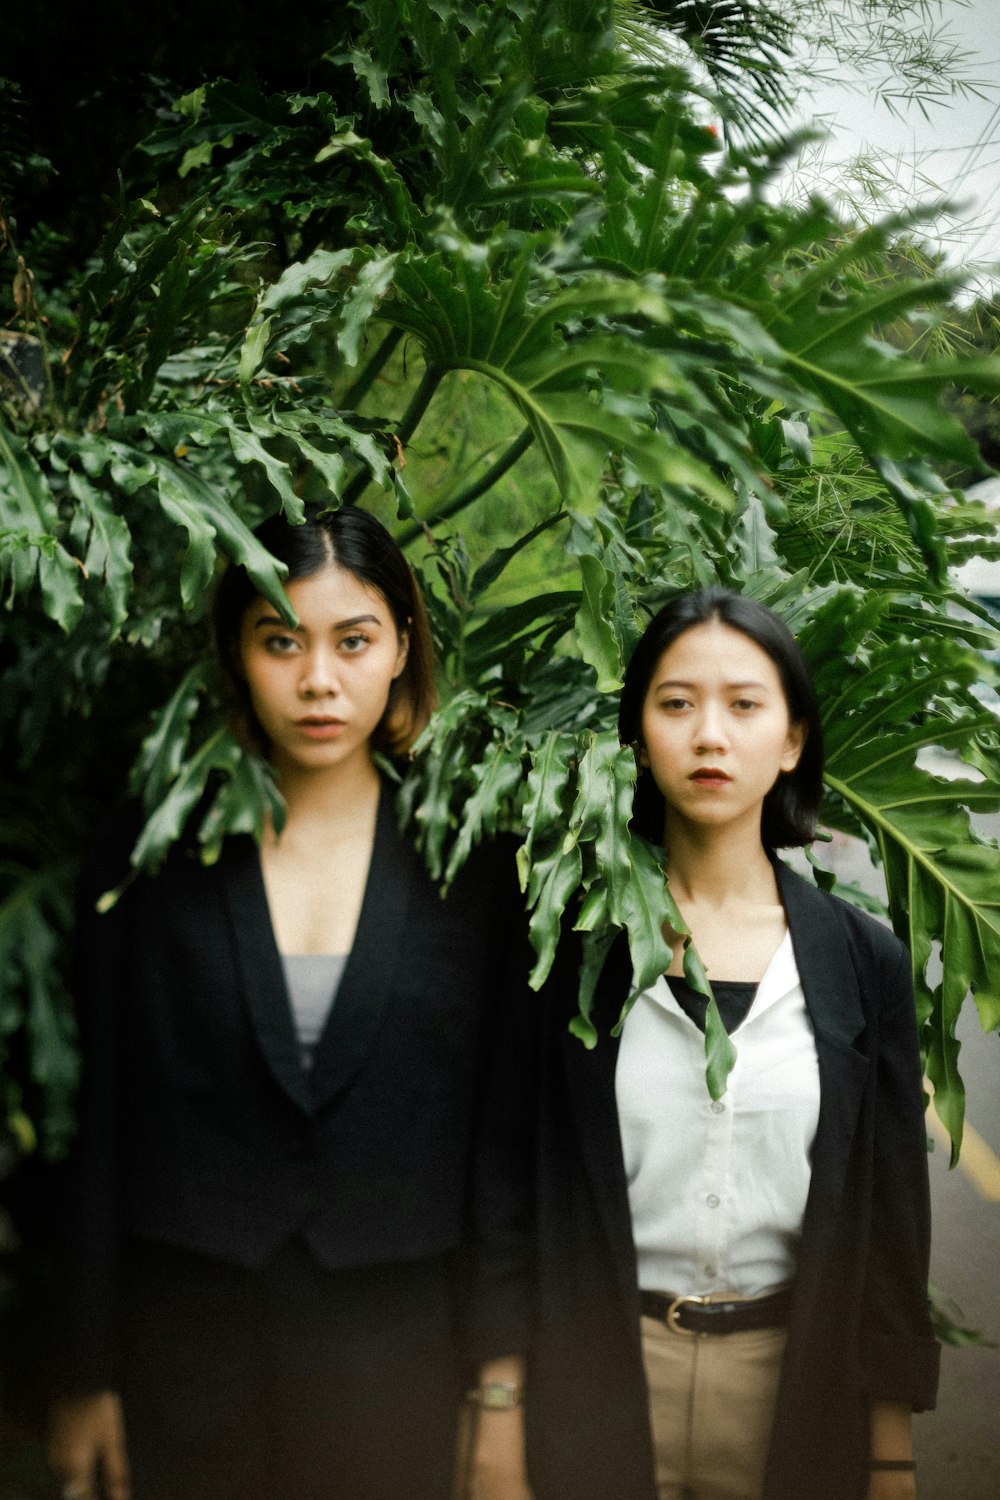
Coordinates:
<point>357,542</point>
<point>791,807</point>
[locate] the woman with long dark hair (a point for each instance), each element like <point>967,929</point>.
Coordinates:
<point>298,1216</point>
<point>733,1292</point>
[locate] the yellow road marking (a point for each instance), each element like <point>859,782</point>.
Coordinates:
<point>977,1161</point>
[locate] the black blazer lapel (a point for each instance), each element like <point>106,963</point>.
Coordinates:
<point>260,967</point>
<point>379,943</point>
<point>591,1088</point>
<point>833,999</point>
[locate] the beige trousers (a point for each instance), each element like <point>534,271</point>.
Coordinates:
<point>711,1400</point>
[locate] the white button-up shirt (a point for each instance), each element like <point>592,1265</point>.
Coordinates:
<point>718,1189</point>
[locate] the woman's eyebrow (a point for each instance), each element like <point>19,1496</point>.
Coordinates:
<point>272,620</point>
<point>340,624</point>
<point>730,687</point>
<point>357,620</point>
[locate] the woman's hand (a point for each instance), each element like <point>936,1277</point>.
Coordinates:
<point>892,1484</point>
<point>891,1440</point>
<point>86,1447</point>
<point>492,1453</point>
<point>498,1467</point>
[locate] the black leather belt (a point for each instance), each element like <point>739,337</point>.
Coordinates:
<point>696,1315</point>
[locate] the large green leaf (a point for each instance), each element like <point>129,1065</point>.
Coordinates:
<point>35,916</point>
<point>942,877</point>
<point>554,372</point>
<point>31,546</point>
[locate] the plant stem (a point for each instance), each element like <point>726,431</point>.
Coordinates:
<point>366,377</point>
<point>471,492</point>
<point>405,429</point>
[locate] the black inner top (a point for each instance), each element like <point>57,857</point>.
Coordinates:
<point>734,998</point>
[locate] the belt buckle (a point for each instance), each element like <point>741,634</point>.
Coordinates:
<point>673,1312</point>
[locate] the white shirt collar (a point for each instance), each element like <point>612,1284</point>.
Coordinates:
<point>780,977</point>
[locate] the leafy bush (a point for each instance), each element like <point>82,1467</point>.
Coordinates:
<point>496,275</point>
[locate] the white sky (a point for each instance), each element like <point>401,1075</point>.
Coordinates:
<point>953,150</point>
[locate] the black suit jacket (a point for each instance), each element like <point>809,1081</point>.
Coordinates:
<point>859,1325</point>
<point>200,1129</point>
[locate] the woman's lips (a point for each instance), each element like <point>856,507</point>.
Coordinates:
<point>710,777</point>
<point>320,729</point>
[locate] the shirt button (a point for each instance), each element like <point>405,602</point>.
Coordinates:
<point>710,1271</point>
<point>713,1200</point>
<point>718,1108</point>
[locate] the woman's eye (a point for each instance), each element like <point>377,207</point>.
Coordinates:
<point>352,644</point>
<point>745,704</point>
<point>280,645</point>
<point>673,705</point>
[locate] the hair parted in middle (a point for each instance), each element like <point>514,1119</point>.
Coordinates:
<point>354,540</point>
<point>791,807</point>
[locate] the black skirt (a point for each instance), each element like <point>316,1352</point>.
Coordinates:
<point>289,1382</point>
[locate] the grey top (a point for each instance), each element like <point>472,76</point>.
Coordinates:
<point>312,981</point>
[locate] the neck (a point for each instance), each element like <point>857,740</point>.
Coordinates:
<point>718,865</point>
<point>335,796</point>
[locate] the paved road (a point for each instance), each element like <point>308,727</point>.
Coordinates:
<point>958,1445</point>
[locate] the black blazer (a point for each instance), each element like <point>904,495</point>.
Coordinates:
<point>859,1325</point>
<point>200,1129</point>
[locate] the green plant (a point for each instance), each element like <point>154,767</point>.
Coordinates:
<point>497,276</point>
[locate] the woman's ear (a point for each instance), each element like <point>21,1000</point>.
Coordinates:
<point>794,745</point>
<point>403,654</point>
<point>643,756</point>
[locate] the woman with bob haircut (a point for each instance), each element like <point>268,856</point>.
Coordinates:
<point>297,1223</point>
<point>732,1293</point>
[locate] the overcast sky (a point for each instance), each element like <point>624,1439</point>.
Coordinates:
<point>955,148</point>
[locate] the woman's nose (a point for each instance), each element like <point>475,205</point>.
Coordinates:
<point>710,730</point>
<point>319,678</point>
